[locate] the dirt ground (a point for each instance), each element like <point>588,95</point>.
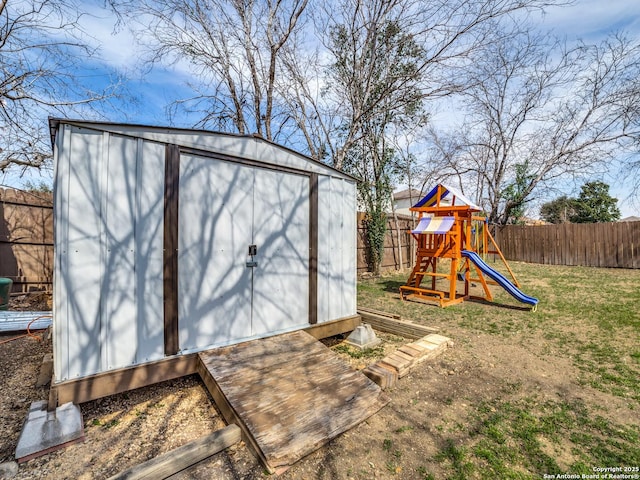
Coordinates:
<point>429,407</point>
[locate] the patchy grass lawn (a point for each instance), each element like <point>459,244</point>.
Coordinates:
<point>521,395</point>
<point>565,396</point>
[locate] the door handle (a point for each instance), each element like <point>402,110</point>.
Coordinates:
<point>253,250</point>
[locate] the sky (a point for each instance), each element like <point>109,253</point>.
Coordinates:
<point>591,21</point>
<point>588,20</point>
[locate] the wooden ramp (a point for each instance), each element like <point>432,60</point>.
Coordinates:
<point>289,394</point>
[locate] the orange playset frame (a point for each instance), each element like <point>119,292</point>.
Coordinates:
<point>450,228</point>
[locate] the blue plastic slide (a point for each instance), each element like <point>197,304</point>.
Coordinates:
<point>499,278</point>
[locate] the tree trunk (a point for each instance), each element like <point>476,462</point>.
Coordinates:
<point>398,239</point>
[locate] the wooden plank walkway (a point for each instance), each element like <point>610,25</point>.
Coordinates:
<point>289,394</point>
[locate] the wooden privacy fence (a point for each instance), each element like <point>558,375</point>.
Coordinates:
<point>398,245</point>
<point>614,245</point>
<point>26,239</point>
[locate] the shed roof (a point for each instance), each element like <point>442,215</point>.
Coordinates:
<point>243,146</point>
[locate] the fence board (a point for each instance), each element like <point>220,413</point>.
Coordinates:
<point>612,245</point>
<point>569,246</point>
<point>635,243</point>
<point>390,260</point>
<point>628,243</point>
<point>26,239</point>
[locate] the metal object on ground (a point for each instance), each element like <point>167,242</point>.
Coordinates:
<point>20,321</point>
<point>5,290</point>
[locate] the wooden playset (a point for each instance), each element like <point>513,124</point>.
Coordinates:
<point>453,241</point>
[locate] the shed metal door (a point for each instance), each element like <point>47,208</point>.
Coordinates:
<point>281,235</point>
<point>224,208</point>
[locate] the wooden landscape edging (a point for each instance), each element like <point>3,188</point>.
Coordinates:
<point>387,323</point>
<point>387,371</point>
<point>174,461</point>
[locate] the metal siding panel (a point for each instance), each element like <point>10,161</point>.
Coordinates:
<point>104,292</point>
<point>119,288</point>
<point>324,247</point>
<point>281,233</point>
<point>61,244</point>
<point>148,255</point>
<point>82,277</point>
<point>336,241</point>
<point>214,233</point>
<point>349,234</point>
<point>272,154</point>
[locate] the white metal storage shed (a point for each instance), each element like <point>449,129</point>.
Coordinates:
<point>171,241</point>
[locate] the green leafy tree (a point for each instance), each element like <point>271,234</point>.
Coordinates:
<point>595,205</point>
<point>375,72</point>
<point>40,187</point>
<point>560,210</point>
<point>515,194</point>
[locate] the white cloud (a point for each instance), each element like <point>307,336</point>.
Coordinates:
<point>592,19</point>
<point>118,46</point>
<point>117,49</point>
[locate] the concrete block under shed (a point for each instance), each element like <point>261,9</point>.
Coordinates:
<point>363,337</point>
<point>44,432</point>
<point>8,469</point>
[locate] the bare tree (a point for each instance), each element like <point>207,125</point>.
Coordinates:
<point>305,96</point>
<point>387,57</point>
<point>449,34</point>
<point>41,49</point>
<point>538,112</point>
<point>232,47</point>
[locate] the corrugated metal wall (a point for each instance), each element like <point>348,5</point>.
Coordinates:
<point>108,283</point>
<point>336,247</point>
<point>108,258</point>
